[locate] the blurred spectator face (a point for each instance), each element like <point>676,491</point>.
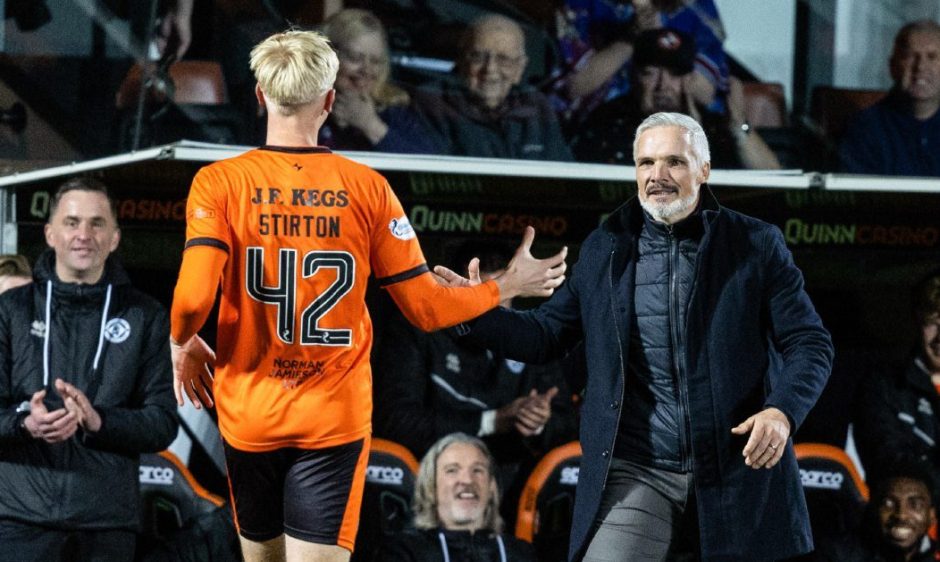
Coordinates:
<point>83,232</point>
<point>660,90</point>
<point>361,62</point>
<point>905,513</point>
<point>668,174</point>
<point>465,486</point>
<point>915,66</point>
<point>930,332</point>
<point>494,62</point>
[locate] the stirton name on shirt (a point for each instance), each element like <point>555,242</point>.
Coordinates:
<point>289,224</point>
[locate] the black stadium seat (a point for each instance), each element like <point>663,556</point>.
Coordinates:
<point>835,492</point>
<point>170,496</point>
<point>386,500</point>
<point>547,502</point>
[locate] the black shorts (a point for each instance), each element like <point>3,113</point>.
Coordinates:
<point>310,494</point>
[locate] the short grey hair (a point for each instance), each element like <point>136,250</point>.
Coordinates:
<point>698,140</point>
<point>425,499</point>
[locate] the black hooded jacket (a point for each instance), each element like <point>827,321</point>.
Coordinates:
<point>111,342</point>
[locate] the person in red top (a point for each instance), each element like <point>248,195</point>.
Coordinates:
<point>293,232</point>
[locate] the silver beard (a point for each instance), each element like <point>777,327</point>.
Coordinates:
<point>663,212</point>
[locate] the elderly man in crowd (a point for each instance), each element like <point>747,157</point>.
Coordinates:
<point>489,113</point>
<point>456,507</point>
<point>900,135</point>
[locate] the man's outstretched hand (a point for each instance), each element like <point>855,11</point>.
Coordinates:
<point>525,276</point>
<point>191,373</point>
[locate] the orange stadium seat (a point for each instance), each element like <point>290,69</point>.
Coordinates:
<point>386,500</point>
<point>547,502</point>
<point>835,492</point>
<point>188,100</point>
<point>193,82</point>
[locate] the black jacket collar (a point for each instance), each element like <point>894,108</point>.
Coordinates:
<point>44,270</point>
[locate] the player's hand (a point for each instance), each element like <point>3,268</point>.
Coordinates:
<point>191,373</point>
<point>357,110</point>
<point>526,276</point>
<point>449,278</point>
<point>52,427</point>
<point>769,431</point>
<point>77,403</point>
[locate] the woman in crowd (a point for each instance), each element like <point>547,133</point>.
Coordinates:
<point>369,112</point>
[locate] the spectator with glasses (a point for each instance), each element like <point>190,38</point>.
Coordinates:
<point>369,112</point>
<point>489,112</point>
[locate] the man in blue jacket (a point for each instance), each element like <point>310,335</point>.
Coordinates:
<point>85,388</point>
<point>900,135</point>
<point>704,354</point>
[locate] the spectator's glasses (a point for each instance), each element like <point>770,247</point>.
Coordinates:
<point>359,58</point>
<point>502,60</point>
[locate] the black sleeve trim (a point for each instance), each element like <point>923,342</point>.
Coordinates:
<point>403,276</point>
<point>206,241</point>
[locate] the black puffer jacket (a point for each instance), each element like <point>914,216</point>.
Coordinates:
<point>89,481</point>
<point>655,429</point>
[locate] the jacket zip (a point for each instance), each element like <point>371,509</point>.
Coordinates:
<point>623,367</point>
<point>682,407</point>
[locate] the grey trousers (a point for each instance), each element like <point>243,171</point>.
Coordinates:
<point>646,514</point>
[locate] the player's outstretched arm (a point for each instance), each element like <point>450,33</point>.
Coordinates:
<point>192,300</point>
<point>446,298</point>
<point>525,276</point>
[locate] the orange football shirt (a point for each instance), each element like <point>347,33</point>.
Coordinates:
<point>303,229</point>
